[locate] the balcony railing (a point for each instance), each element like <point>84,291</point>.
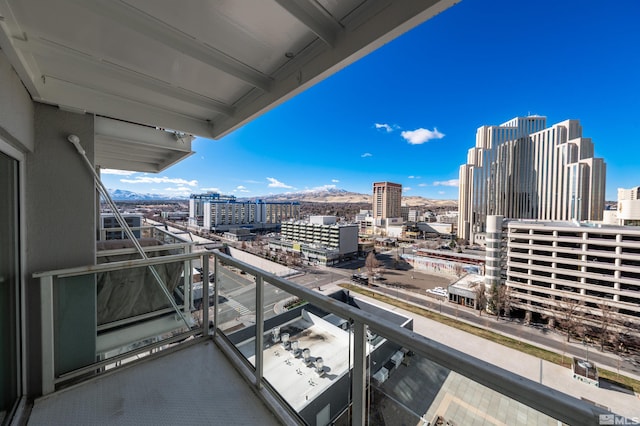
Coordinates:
<point>363,367</point>
<point>98,317</point>
<point>318,358</point>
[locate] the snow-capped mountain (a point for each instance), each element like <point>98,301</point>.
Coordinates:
<point>123,195</point>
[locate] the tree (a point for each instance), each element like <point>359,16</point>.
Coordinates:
<point>606,323</point>
<point>481,297</point>
<point>458,269</point>
<point>568,316</point>
<point>500,300</point>
<point>372,264</point>
<point>506,299</point>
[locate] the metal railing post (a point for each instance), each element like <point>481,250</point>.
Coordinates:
<point>48,335</point>
<point>359,373</point>
<point>216,293</point>
<point>205,294</point>
<point>259,329</point>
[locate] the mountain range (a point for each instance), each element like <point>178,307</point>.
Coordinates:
<point>123,195</point>
<point>325,195</point>
<point>335,195</point>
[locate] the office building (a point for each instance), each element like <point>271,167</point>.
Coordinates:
<point>387,200</point>
<point>628,211</point>
<point>220,213</point>
<point>524,170</point>
<point>320,240</point>
<point>108,220</point>
<point>112,78</point>
<point>197,208</point>
<point>551,264</point>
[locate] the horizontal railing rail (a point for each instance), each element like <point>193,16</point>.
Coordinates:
<point>542,398</point>
<point>147,249</point>
<point>153,229</point>
<point>115,266</point>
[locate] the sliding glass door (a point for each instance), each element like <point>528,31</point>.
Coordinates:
<point>9,287</point>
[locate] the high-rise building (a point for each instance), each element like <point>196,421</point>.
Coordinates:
<point>523,170</point>
<point>387,199</point>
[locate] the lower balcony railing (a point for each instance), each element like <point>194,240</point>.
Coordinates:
<point>98,317</point>
<point>322,358</point>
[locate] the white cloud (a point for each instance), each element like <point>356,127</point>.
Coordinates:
<point>180,190</point>
<point>320,188</point>
<point>210,189</point>
<point>407,188</point>
<point>384,126</point>
<point>420,136</point>
<point>164,179</point>
<point>450,182</point>
<point>241,188</point>
<point>441,192</point>
<point>275,183</point>
<point>366,154</point>
<point>335,180</point>
<point>116,172</point>
<point>422,184</point>
<point>252,181</point>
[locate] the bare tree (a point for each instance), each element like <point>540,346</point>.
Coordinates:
<point>506,299</point>
<point>372,264</point>
<point>569,316</point>
<point>605,323</point>
<point>500,299</point>
<point>481,297</point>
<point>458,269</point>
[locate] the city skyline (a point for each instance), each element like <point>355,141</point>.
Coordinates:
<point>408,112</point>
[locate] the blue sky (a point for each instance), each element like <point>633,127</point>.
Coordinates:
<point>408,112</point>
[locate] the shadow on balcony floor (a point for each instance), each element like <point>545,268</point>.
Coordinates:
<point>195,385</point>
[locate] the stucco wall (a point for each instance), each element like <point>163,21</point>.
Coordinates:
<point>16,109</point>
<point>60,210</point>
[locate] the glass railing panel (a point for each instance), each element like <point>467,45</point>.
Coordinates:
<point>101,315</point>
<point>307,353</point>
<point>407,388</point>
<point>236,315</point>
<point>74,325</point>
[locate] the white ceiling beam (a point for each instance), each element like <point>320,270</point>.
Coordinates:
<point>124,164</point>
<point>128,133</point>
<point>143,23</point>
<point>90,65</point>
<point>317,20</point>
<point>64,93</point>
<point>17,59</point>
<point>365,30</point>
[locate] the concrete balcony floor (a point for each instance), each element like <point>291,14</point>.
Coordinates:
<point>193,385</point>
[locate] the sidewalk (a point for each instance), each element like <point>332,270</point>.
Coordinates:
<point>556,342</point>
<point>547,373</point>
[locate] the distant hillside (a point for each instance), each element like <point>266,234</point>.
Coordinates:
<point>123,195</point>
<point>333,195</point>
<point>329,196</point>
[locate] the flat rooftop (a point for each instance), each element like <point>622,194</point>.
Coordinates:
<point>296,381</point>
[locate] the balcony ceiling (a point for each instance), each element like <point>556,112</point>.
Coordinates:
<point>200,67</point>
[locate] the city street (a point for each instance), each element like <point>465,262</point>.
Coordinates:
<point>399,280</point>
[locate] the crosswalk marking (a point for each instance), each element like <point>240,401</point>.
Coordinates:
<point>241,309</point>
